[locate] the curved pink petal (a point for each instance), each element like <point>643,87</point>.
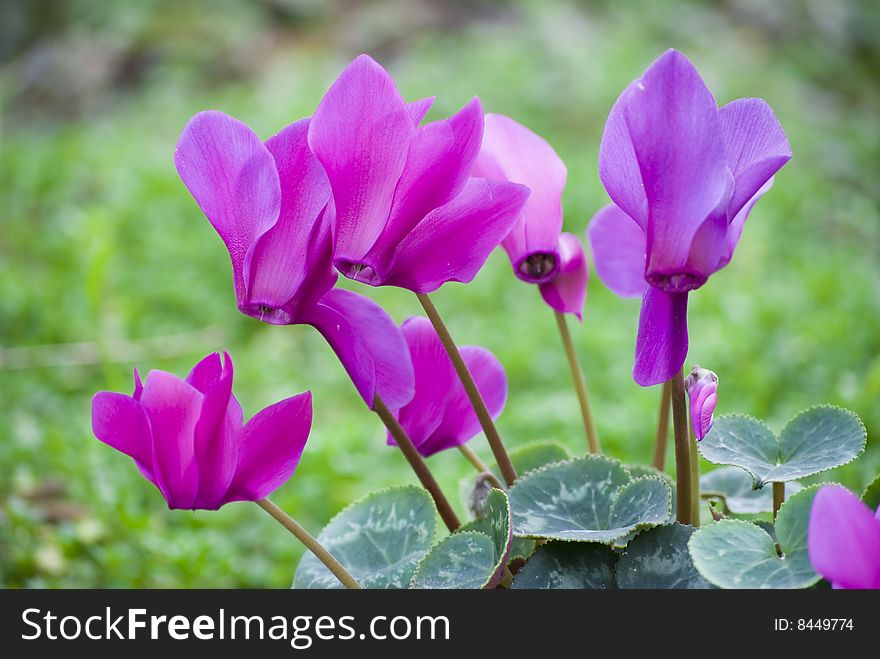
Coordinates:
<point>513,153</point>
<point>369,345</point>
<point>278,262</point>
<point>214,446</point>
<point>361,133</point>
<point>173,407</point>
<point>618,245</point>
<point>121,422</point>
<point>843,539</point>
<point>270,446</point>
<point>206,372</point>
<point>418,109</point>
<point>567,291</point>
<point>662,341</point>
<point>440,159</point>
<point>618,166</point>
<point>453,242</point>
<point>434,380</point>
<point>756,145</point>
<point>736,226</point>
<point>232,177</point>
<point>460,422</point>
<point>138,385</point>
<point>676,134</point>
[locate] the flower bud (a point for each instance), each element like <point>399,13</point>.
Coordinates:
<point>702,388</point>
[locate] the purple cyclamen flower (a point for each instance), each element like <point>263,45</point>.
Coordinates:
<point>538,250</point>
<point>440,415</point>
<point>702,388</point>
<point>683,175</point>
<point>407,212</point>
<point>187,438</point>
<point>270,203</point>
<point>843,539</point>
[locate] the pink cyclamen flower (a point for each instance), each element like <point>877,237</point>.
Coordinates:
<point>440,415</point>
<point>702,388</point>
<point>538,250</point>
<point>843,539</point>
<point>270,204</point>
<point>187,436</point>
<point>407,212</point>
<point>683,175</point>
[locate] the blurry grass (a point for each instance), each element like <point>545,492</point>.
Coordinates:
<point>101,242</point>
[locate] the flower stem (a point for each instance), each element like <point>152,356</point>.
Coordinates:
<point>580,387</point>
<point>695,480</point>
<point>311,544</point>
<point>470,387</point>
<point>778,498</point>
<point>684,506</point>
<point>662,427</point>
<point>417,463</point>
<point>473,458</point>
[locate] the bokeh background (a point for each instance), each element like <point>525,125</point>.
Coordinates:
<point>107,263</point>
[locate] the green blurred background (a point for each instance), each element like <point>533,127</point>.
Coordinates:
<point>106,261</point>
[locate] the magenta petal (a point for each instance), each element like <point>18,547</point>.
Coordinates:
<point>736,226</point>
<point>138,385</point>
<point>173,407</point>
<point>278,261</point>
<point>434,380</point>
<point>618,166</point>
<point>361,133</point>
<point>121,422</point>
<point>756,147</point>
<point>418,109</point>
<point>232,177</point>
<point>206,372</point>
<point>843,539</point>
<point>673,121</point>
<point>214,445</point>
<point>270,446</point>
<point>662,342</point>
<point>460,422</point>
<point>513,153</point>
<point>567,291</point>
<point>453,242</point>
<point>618,245</point>
<point>369,345</point>
<point>441,156</point>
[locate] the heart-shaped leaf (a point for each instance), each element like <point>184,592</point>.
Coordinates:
<point>871,495</point>
<point>659,559</point>
<point>738,554</point>
<point>379,539</point>
<point>568,565</point>
<point>496,524</point>
<point>817,439</point>
<point>733,486</point>
<point>460,560</point>
<point>588,499</point>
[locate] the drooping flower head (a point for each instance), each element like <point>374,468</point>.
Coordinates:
<point>270,204</point>
<point>843,539</point>
<point>187,437</point>
<point>702,388</point>
<point>538,251</point>
<point>440,415</point>
<point>407,211</point>
<point>683,175</point>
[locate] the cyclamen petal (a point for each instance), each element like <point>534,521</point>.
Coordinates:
<point>191,443</point>
<point>702,388</point>
<point>566,292</point>
<point>662,341</point>
<point>619,246</point>
<point>843,539</point>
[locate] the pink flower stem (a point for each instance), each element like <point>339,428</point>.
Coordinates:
<point>684,501</point>
<point>580,387</point>
<point>662,427</point>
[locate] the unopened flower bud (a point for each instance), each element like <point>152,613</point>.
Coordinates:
<point>702,388</point>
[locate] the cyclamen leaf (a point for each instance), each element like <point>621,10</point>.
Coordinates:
<point>568,565</point>
<point>735,486</point>
<point>738,554</point>
<point>816,440</point>
<point>460,560</point>
<point>496,525</point>
<point>587,499</point>
<point>379,539</point>
<point>659,559</point>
